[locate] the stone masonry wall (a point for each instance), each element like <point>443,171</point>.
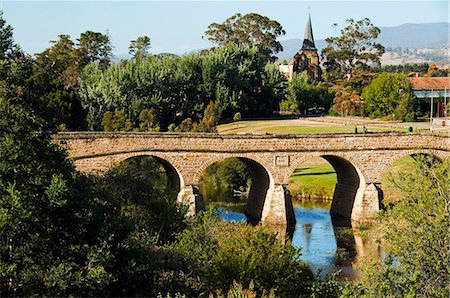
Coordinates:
<point>371,154</point>
<point>360,160</point>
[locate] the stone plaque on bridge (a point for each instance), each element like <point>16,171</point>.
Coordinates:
<point>282,161</point>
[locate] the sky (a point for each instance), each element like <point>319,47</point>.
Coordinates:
<point>177,26</point>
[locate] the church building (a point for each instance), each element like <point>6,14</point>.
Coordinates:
<point>306,59</point>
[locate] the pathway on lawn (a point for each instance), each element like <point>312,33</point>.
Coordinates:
<point>326,124</point>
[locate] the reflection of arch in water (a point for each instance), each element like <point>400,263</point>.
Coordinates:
<point>173,175</point>
<point>345,240</point>
<point>261,183</point>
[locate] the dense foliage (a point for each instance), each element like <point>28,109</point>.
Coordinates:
<point>390,95</point>
<point>180,88</point>
<point>141,188</point>
<point>66,234</point>
<point>57,73</point>
<point>417,230</point>
<point>46,244</point>
<point>250,30</point>
<point>220,179</point>
<point>302,95</point>
<point>61,233</point>
<point>221,252</point>
<point>420,68</point>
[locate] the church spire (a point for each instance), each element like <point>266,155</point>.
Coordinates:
<point>308,42</point>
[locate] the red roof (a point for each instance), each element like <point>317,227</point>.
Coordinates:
<point>431,83</point>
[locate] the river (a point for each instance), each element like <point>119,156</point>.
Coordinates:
<point>328,244</point>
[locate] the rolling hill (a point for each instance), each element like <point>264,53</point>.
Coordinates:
<point>412,36</point>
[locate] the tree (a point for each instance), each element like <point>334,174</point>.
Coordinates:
<point>389,95</point>
<point>347,102</point>
<point>42,212</point>
<point>416,229</point>
<point>148,120</point>
<point>303,95</point>
<point>94,47</point>
<point>181,87</point>
<point>139,48</point>
<point>62,234</point>
<point>354,49</point>
<point>210,118</point>
<point>116,121</point>
<point>247,31</point>
<point>7,46</point>
<point>56,76</point>
<point>296,92</point>
<point>141,188</point>
<point>420,68</point>
<point>273,90</point>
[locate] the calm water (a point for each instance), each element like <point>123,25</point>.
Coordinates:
<point>328,244</point>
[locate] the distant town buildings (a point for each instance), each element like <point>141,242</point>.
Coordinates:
<point>306,59</point>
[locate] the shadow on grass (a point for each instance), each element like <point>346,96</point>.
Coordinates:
<point>298,174</point>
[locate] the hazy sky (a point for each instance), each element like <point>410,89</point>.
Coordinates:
<point>178,26</point>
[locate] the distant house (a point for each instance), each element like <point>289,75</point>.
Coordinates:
<point>287,70</point>
<point>306,59</point>
<point>436,88</point>
<point>425,86</point>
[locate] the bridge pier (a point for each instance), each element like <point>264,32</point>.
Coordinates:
<point>278,209</point>
<point>367,203</point>
<point>360,204</point>
<point>190,197</point>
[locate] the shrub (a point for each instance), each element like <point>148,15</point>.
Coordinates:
<point>221,252</point>
<point>237,117</point>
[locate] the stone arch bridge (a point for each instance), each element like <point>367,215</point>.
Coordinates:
<point>360,160</point>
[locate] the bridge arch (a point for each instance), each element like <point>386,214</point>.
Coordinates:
<point>102,163</point>
<point>350,182</point>
<point>173,175</point>
<point>262,183</point>
<point>435,154</point>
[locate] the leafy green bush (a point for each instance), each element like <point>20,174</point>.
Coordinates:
<point>389,95</point>
<point>410,117</point>
<point>416,229</point>
<point>220,253</point>
<point>141,190</point>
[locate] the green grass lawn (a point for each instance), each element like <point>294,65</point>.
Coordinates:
<point>390,191</point>
<point>316,178</point>
<point>292,127</point>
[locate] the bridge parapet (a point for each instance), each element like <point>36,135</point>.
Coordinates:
<point>84,144</point>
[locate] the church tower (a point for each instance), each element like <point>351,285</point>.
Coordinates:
<point>307,57</point>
